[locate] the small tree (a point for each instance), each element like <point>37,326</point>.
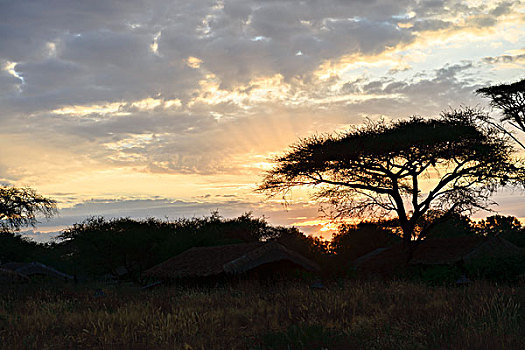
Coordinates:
<point>452,163</point>
<point>510,98</point>
<point>20,206</point>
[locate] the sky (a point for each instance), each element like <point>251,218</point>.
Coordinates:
<point>175,108</point>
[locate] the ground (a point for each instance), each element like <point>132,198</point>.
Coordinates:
<point>346,314</point>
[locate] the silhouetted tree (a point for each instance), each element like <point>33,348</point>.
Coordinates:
<point>408,167</point>
<point>13,247</point>
<point>508,227</point>
<point>510,98</point>
<point>101,246</point>
<point>20,207</point>
<point>497,224</point>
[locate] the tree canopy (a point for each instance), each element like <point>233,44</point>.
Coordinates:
<point>452,163</point>
<point>510,98</point>
<point>20,207</point>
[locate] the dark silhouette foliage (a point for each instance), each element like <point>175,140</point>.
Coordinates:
<point>100,246</point>
<point>16,248</point>
<point>496,225</point>
<point>20,206</point>
<point>310,247</point>
<point>407,167</point>
<point>447,226</point>
<point>510,98</point>
<point>507,227</point>
<point>498,269</point>
<point>114,246</point>
<point>353,241</point>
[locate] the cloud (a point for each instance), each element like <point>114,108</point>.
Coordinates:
<point>170,209</point>
<point>75,53</point>
<point>505,59</point>
<point>96,90</point>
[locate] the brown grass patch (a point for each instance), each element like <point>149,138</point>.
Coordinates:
<point>362,315</point>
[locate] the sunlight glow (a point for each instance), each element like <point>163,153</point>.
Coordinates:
<point>405,25</point>
<point>258,90</point>
<point>9,67</point>
<point>86,110</point>
<point>147,104</point>
<point>51,49</point>
<point>193,62</point>
<point>390,58</point>
<point>154,47</point>
<point>325,228</point>
<point>118,108</point>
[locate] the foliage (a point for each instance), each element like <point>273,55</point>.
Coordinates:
<point>456,225</point>
<point>498,224</point>
<point>356,315</point>
<point>507,227</point>
<point>498,269</point>
<point>380,168</point>
<point>353,241</point>
<point>107,246</point>
<point>453,225</point>
<point>100,246</point>
<point>16,248</point>
<point>20,207</point>
<point>435,275</point>
<point>510,98</point>
<point>308,246</point>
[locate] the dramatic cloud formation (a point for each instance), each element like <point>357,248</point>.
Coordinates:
<point>183,99</point>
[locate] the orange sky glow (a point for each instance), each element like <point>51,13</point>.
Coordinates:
<point>174,109</point>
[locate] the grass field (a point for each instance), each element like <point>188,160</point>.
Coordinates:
<point>346,315</point>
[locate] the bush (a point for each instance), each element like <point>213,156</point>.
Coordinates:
<point>434,275</point>
<point>506,269</point>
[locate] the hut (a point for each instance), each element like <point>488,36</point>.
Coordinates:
<point>386,262</point>
<point>232,259</point>
<point>36,269</point>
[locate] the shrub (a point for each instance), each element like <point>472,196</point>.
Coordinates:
<point>506,269</point>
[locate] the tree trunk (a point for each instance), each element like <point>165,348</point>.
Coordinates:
<point>409,246</point>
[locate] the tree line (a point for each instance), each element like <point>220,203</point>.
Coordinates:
<point>427,172</point>
<point>124,247</point>
<point>99,246</point>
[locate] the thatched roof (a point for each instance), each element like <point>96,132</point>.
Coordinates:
<point>9,276</point>
<point>434,251</point>
<point>232,259</point>
<point>366,257</point>
<point>494,247</point>
<point>36,268</point>
<point>267,253</point>
<point>443,251</point>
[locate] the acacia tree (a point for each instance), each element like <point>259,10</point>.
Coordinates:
<point>510,98</point>
<point>20,207</point>
<point>451,163</point>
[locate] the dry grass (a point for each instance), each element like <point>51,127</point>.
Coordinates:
<point>360,315</point>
